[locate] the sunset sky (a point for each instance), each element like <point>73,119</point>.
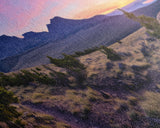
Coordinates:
<point>19,16</point>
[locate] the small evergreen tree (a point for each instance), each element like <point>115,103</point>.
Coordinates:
<point>7,112</point>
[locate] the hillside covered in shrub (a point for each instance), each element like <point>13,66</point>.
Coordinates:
<point>104,87</point>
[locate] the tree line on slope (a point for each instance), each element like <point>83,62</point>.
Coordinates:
<point>151,24</point>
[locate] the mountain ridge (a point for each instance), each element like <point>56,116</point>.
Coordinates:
<point>33,39</point>
<point>101,33</point>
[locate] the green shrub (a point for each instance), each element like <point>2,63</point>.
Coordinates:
<point>111,54</point>
<point>4,79</point>
<point>119,41</point>
<point>73,66</point>
<point>7,112</point>
<point>24,78</point>
<point>38,69</point>
<point>68,62</point>
<point>151,24</point>
<point>85,52</point>
<point>140,68</point>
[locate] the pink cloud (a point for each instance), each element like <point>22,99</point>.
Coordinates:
<point>21,12</point>
<point>148,1</point>
<point>62,5</point>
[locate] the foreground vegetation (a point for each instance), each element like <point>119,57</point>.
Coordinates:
<point>25,77</point>
<point>114,87</point>
<point>8,113</point>
<point>111,54</point>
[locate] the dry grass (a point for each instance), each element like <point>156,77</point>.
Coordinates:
<point>77,102</point>
<point>151,104</point>
<point>62,125</point>
<point>32,119</point>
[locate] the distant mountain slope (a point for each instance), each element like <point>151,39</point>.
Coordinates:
<point>102,34</point>
<point>61,27</point>
<point>58,29</point>
<point>10,46</point>
<point>99,30</point>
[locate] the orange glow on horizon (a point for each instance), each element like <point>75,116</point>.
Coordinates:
<point>104,8</point>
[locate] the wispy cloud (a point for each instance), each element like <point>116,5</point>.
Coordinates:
<point>148,1</point>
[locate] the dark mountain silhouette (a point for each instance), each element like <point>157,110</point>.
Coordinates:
<point>58,29</point>
<point>68,36</point>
